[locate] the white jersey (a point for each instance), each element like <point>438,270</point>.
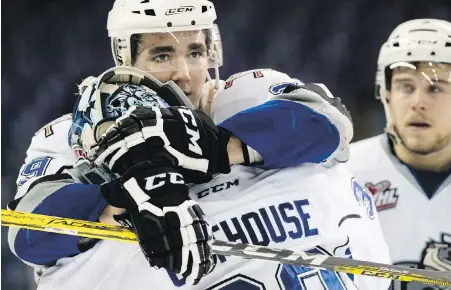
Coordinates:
<point>248,89</point>
<point>307,207</point>
<point>49,153</point>
<point>417,229</point>
<point>245,90</point>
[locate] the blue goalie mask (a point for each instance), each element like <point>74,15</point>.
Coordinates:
<point>127,96</point>
<point>110,95</point>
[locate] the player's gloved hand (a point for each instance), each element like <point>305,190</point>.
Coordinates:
<point>320,99</point>
<point>171,228</point>
<point>190,137</point>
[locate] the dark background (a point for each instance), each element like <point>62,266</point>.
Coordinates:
<point>49,46</point>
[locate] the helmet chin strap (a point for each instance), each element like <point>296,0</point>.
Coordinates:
<point>390,126</point>
<point>212,90</point>
<point>394,136</point>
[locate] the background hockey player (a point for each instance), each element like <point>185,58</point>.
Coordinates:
<point>408,168</point>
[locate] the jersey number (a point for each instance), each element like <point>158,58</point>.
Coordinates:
<point>301,278</point>
<point>34,168</point>
<point>237,282</point>
<point>288,277</point>
<point>363,197</point>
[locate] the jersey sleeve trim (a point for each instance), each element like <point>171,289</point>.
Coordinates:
<point>285,133</point>
<point>54,198</point>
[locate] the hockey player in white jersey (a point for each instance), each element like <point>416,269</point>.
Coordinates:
<point>317,126</point>
<point>309,207</point>
<point>408,168</point>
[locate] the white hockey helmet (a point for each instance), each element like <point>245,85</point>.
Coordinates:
<point>412,41</point>
<point>131,17</point>
<point>419,40</point>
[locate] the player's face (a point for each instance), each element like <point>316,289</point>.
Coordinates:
<point>420,106</point>
<point>178,56</point>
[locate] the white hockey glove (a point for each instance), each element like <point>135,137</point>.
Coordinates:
<point>320,99</point>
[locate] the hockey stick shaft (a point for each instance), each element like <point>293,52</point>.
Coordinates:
<point>298,258</point>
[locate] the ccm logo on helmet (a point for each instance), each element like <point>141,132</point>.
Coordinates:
<point>192,130</point>
<point>421,41</point>
<point>179,10</point>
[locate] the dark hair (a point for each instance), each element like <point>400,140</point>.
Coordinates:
<point>136,38</point>
<point>134,41</point>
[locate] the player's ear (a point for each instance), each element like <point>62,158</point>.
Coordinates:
<point>387,97</point>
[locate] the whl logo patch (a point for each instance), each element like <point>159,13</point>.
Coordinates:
<point>384,195</point>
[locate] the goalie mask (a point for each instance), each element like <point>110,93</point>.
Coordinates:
<point>110,95</point>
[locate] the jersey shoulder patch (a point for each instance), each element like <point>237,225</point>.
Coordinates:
<point>50,143</point>
<point>245,90</point>
<point>48,129</point>
<point>255,73</point>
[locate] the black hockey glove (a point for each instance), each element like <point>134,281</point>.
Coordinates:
<point>171,228</point>
<point>198,147</point>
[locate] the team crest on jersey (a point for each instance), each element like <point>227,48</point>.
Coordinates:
<point>384,195</point>
<point>436,256</point>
